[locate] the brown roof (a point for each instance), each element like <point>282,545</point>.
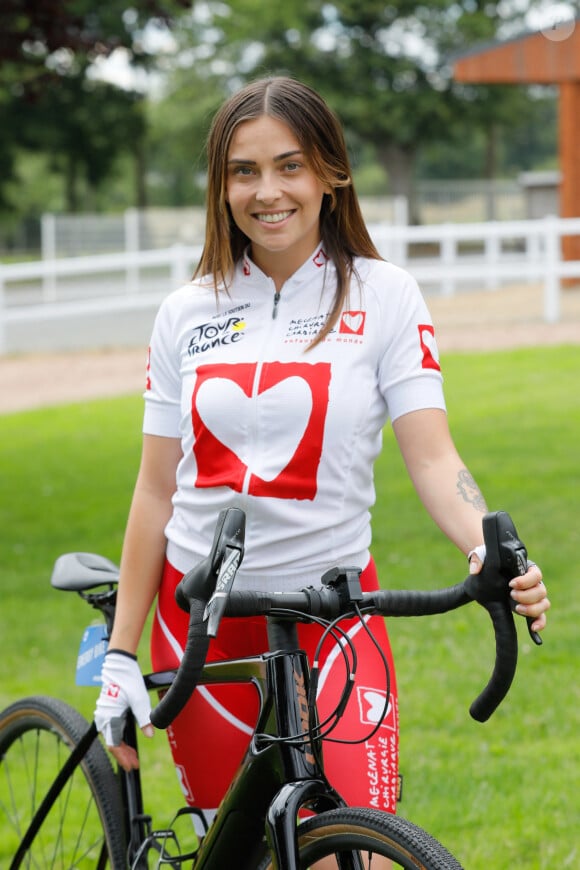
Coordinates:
<point>544,57</point>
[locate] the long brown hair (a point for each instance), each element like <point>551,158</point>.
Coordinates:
<point>342,228</point>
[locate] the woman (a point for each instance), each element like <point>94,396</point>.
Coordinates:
<point>271,376</point>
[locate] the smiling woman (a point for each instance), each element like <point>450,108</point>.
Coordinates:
<point>271,376</point>
<point>315,143</point>
<point>274,195</point>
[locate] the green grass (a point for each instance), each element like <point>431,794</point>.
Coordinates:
<point>500,795</point>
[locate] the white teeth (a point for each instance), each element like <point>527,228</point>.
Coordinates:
<point>274,218</point>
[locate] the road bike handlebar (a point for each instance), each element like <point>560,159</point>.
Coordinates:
<point>206,593</point>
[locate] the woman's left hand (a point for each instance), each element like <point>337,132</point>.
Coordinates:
<point>528,592</point>
<point>531,597</point>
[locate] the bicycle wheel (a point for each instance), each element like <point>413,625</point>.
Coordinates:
<point>84,828</point>
<point>356,837</point>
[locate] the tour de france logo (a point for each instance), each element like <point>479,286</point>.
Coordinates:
<point>207,336</point>
<point>290,401</point>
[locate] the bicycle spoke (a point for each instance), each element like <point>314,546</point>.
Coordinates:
<point>41,741</point>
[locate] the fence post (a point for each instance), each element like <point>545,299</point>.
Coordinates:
<point>2,308</point>
<point>132,273</point>
<point>179,265</point>
<point>533,247</point>
<point>448,256</point>
<point>553,256</point>
<point>400,249</point>
<point>48,251</point>
<point>401,210</point>
<point>492,246</point>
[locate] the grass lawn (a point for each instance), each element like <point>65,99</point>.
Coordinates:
<point>500,795</point>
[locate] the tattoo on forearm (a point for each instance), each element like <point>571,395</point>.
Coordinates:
<point>469,490</point>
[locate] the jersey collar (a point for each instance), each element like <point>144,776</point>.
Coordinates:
<point>314,268</point>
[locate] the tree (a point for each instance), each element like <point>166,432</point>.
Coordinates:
<point>49,102</point>
<point>393,62</point>
<point>384,67</point>
<point>41,38</point>
<point>84,125</point>
<point>178,126</point>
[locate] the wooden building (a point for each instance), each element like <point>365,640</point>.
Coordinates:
<point>549,57</point>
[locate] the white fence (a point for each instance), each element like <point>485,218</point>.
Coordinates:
<point>110,299</point>
<point>532,195</point>
<point>81,235</point>
<point>448,258</point>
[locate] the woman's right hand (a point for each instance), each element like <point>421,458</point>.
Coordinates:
<point>123,688</point>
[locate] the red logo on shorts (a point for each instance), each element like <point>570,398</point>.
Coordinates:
<point>259,429</point>
<point>371,705</point>
<point>184,783</point>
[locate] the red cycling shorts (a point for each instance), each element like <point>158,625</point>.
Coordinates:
<point>209,737</point>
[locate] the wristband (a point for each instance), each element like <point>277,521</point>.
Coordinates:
<point>122,652</point>
<point>478,551</point>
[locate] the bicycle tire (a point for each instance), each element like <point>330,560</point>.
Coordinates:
<point>352,834</point>
<point>85,828</point>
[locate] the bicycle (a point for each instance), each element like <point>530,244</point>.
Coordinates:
<point>62,805</point>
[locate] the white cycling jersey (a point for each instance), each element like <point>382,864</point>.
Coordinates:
<point>288,434</point>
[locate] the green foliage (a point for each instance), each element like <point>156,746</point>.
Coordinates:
<point>384,68</point>
<point>48,101</point>
<point>500,795</point>
<point>394,64</point>
<point>525,142</point>
<point>34,30</point>
<point>178,127</point>
<point>96,122</point>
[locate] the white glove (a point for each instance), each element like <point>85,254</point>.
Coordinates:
<point>123,687</point>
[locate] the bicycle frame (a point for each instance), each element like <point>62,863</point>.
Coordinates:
<point>282,769</point>
<point>275,778</point>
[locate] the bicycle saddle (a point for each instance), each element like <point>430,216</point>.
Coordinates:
<point>79,572</point>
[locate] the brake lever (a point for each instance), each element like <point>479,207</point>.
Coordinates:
<point>201,582</point>
<point>506,554</point>
<point>216,605</point>
<point>522,569</point>
<point>196,594</point>
<point>506,557</point>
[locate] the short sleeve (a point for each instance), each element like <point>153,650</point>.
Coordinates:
<point>163,390</point>
<point>409,372</point>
